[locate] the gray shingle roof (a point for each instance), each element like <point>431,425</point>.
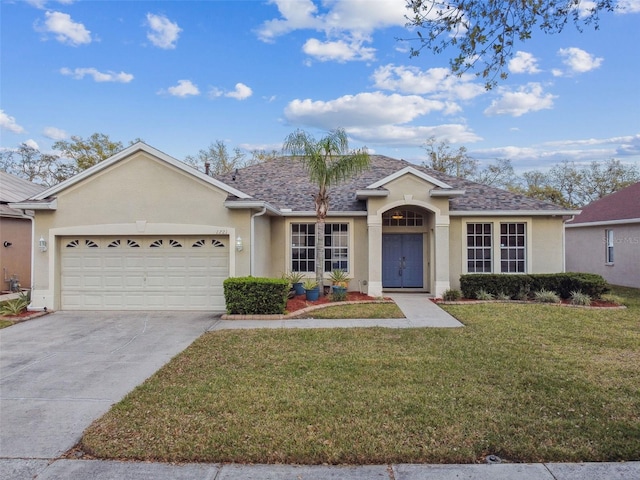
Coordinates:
<point>16,189</point>
<point>283,183</point>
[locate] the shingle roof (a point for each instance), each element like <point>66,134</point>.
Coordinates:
<point>283,183</point>
<point>621,205</point>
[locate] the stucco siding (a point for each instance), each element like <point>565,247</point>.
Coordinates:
<point>546,245</point>
<point>586,247</point>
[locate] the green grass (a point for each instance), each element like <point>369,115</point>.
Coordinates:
<point>365,310</point>
<point>529,383</point>
<point>5,323</point>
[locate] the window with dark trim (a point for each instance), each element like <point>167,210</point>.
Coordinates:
<point>303,247</point>
<point>479,247</point>
<point>513,248</point>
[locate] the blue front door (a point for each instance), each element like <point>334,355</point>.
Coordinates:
<point>402,260</point>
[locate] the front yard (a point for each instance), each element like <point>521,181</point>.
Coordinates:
<point>528,383</point>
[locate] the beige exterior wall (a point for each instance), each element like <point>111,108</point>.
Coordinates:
<point>544,252</point>
<point>139,195</point>
<point>15,259</point>
<point>586,247</point>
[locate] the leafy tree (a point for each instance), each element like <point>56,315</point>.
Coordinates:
<point>485,31</point>
<point>88,152</point>
<point>535,184</point>
<point>499,174</point>
<point>220,161</point>
<point>29,163</point>
<point>444,159</point>
<point>600,180</point>
<point>328,161</point>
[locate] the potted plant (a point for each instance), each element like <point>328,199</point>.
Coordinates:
<point>311,289</point>
<point>295,278</point>
<point>340,281</point>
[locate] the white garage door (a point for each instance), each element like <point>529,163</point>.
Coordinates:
<point>144,273</point>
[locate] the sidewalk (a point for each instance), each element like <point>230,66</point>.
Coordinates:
<point>113,470</point>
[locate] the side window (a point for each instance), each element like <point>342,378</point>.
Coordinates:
<point>609,249</point>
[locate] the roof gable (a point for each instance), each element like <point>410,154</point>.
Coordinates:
<point>127,152</point>
<point>408,171</point>
<point>621,205</point>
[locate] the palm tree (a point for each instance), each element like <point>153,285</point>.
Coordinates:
<point>328,161</point>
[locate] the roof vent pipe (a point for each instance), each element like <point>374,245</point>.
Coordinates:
<point>207,167</point>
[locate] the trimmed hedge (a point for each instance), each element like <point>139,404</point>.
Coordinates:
<point>519,285</point>
<point>255,295</point>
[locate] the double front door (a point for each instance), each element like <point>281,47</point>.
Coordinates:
<point>402,261</point>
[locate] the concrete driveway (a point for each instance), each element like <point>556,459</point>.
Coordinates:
<point>60,372</point>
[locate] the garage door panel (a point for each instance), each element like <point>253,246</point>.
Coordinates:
<point>138,273</point>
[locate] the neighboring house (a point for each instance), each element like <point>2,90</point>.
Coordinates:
<point>142,230</point>
<point>15,232</point>
<point>605,238</point>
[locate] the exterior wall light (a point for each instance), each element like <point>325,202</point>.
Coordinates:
<point>239,245</point>
<point>42,243</point>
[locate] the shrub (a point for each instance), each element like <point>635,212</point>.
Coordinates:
<point>451,295</point>
<point>502,296</point>
<point>338,294</point>
<point>519,286</point>
<point>15,306</point>
<point>255,295</point>
<point>546,296</point>
<point>482,294</point>
<point>579,298</point>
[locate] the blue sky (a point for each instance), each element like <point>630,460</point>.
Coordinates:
<point>183,74</point>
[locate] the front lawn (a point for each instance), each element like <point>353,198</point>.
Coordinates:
<point>528,383</point>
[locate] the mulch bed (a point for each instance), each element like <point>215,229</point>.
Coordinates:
<point>299,301</point>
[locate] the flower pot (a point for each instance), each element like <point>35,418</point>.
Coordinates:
<point>313,295</point>
<point>298,288</point>
<point>339,289</point>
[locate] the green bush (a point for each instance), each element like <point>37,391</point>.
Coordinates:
<point>15,306</point>
<point>546,296</point>
<point>482,294</point>
<point>255,295</point>
<point>579,298</point>
<point>518,286</point>
<point>451,295</point>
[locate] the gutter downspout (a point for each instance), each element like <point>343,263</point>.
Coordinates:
<point>252,238</point>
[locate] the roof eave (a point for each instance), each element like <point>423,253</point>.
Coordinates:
<point>512,213</point>
<point>603,223</point>
<point>366,193</point>
<point>35,205</point>
<point>251,204</point>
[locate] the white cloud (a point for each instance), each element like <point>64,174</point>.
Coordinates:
<point>42,3</point>
<point>523,62</point>
<point>528,98</point>
<point>435,81</point>
<point>408,135</point>
<point>347,25</point>
<point>338,50</point>
<point>362,110</point>
<point>577,61</point>
<point>65,29</point>
<point>80,73</point>
<point>164,33</point>
<point>628,6</point>
<point>7,122</point>
<point>54,133</point>
<point>241,92</point>
<point>32,143</point>
<point>185,88</point>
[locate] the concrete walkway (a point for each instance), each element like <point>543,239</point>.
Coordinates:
<point>419,310</point>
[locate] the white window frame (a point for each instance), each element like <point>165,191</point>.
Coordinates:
<point>348,237</point>
<point>475,248</point>
<point>609,251</point>
<point>514,248</point>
